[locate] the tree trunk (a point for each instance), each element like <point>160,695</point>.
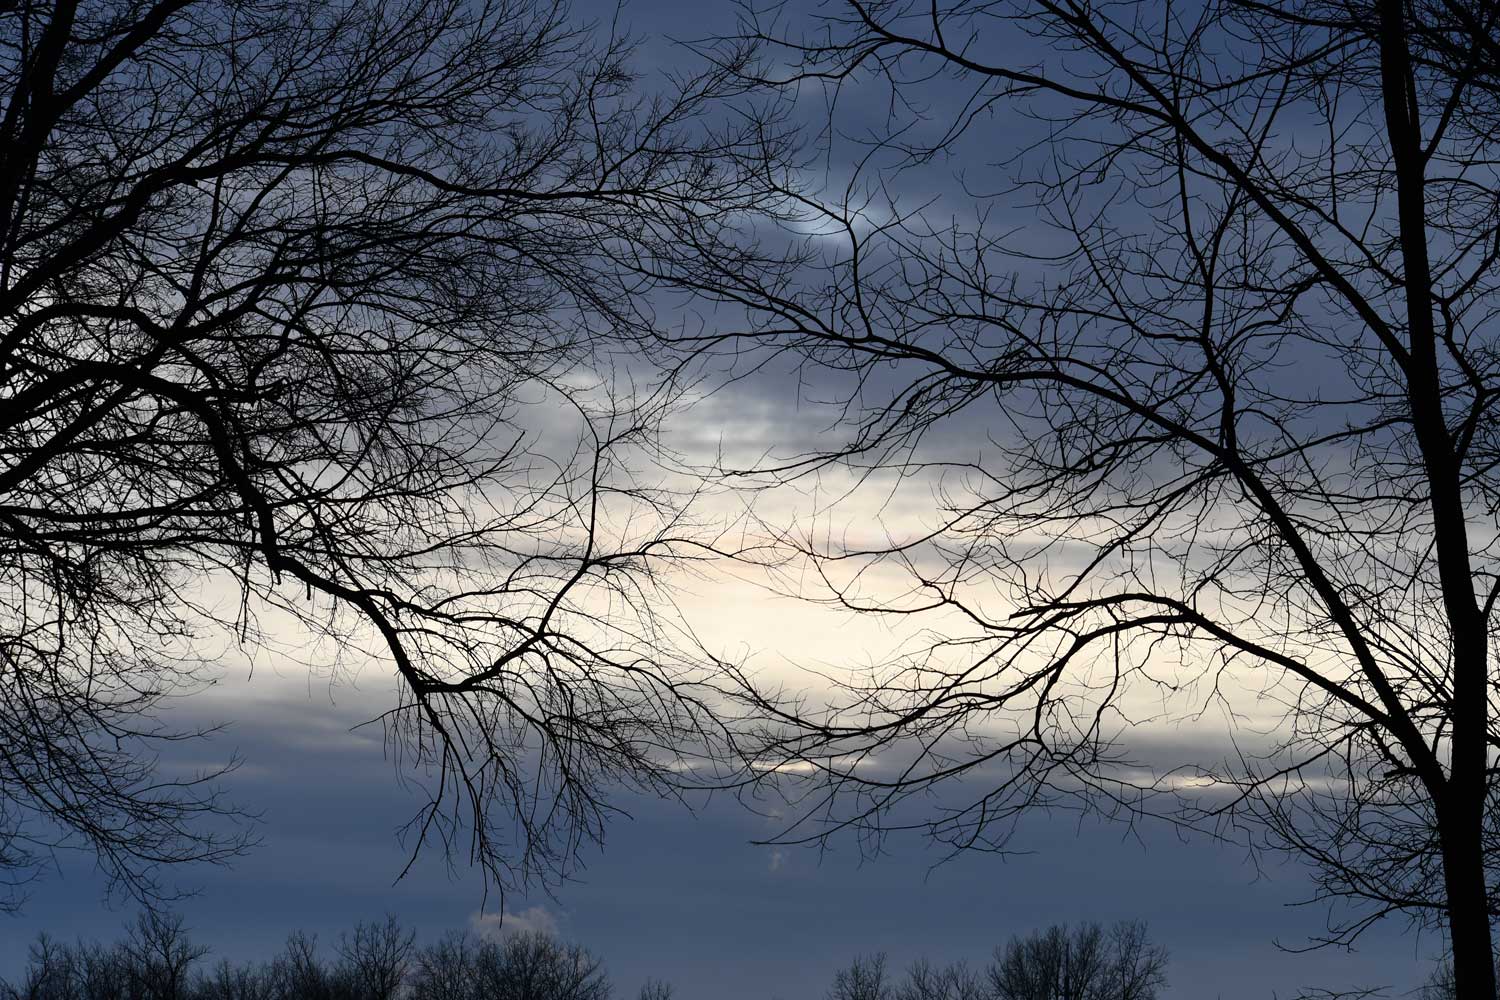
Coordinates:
<point>1460,798</point>
<point>1468,905</point>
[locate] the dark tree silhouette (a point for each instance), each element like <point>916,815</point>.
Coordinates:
<point>444,970</point>
<point>655,989</point>
<point>299,972</point>
<point>1440,985</point>
<point>227,981</point>
<point>160,957</point>
<point>47,973</point>
<point>524,966</point>
<point>1061,963</point>
<point>376,961</point>
<point>536,966</point>
<point>380,960</point>
<point>1197,355</point>
<point>336,314</point>
<point>925,981</point>
<point>1079,963</point>
<point>865,978</point>
<point>377,958</point>
<point>155,961</point>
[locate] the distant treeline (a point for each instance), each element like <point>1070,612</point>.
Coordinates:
<point>1087,962</point>
<point>158,960</point>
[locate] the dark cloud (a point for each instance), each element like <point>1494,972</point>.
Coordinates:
<point>689,898</point>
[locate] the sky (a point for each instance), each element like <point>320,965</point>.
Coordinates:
<point>684,895</point>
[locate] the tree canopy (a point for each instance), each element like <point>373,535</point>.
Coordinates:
<point>1181,315</point>
<point>331,314</point>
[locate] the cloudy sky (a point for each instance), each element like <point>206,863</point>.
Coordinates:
<point>685,896</point>
<point>688,898</point>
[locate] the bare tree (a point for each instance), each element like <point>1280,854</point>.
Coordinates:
<point>446,969</point>
<point>1198,358</point>
<point>160,956</point>
<point>925,981</point>
<point>299,974</point>
<point>1056,964</point>
<point>376,959</point>
<point>47,973</point>
<point>155,961</point>
<point>656,989</point>
<point>81,971</point>
<point>102,973</point>
<point>228,981</point>
<point>1137,967</point>
<point>1440,985</point>
<point>1079,963</point>
<point>332,313</point>
<point>535,966</point>
<point>865,978</point>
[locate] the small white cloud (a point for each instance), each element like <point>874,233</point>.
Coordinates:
<point>846,762</point>
<point>498,926</point>
<point>784,767</point>
<point>778,858</point>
